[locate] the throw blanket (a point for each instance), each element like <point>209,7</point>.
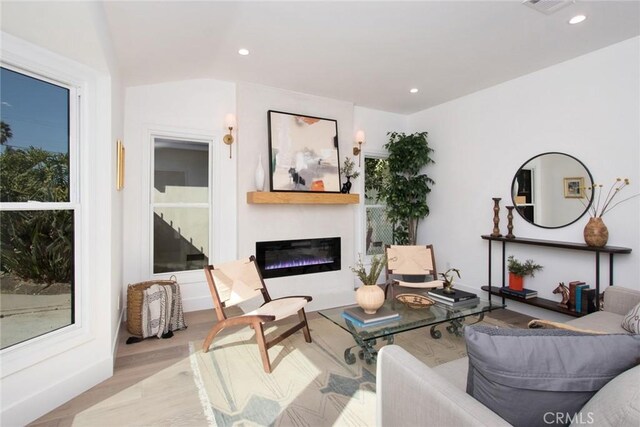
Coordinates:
<point>162,311</point>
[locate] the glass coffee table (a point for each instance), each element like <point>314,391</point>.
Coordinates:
<point>410,318</point>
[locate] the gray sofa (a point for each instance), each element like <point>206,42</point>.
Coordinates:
<point>409,393</point>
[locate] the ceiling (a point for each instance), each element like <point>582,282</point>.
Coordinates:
<point>370,53</point>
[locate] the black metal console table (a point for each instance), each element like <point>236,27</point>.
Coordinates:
<point>541,302</point>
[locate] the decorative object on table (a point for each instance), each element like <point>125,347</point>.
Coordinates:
<point>518,271</point>
<point>510,234</point>
<point>496,217</point>
<point>524,293</point>
<point>447,280</point>
<point>348,170</point>
<point>259,175</point>
<point>370,296</point>
<point>456,299</point>
<point>403,188</point>
<point>596,233</point>
<point>303,153</point>
<point>564,291</point>
<point>415,300</point>
<point>359,318</point>
<point>575,295</point>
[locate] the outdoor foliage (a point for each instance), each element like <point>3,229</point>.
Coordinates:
<point>404,188</point>
<point>36,245</point>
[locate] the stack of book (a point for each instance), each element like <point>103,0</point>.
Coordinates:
<point>582,299</point>
<point>358,317</point>
<point>524,293</point>
<point>456,299</point>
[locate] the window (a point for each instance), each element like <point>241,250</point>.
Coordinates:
<point>180,204</point>
<point>39,206</point>
<point>378,231</point>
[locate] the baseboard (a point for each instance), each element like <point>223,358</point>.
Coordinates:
<point>197,303</point>
<point>114,339</point>
<point>44,401</point>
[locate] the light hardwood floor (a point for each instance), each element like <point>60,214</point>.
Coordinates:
<point>153,382</point>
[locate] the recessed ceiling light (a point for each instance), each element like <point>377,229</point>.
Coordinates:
<point>414,90</point>
<point>577,19</point>
<point>243,52</point>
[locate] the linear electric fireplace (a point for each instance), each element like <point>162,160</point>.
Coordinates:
<point>292,257</point>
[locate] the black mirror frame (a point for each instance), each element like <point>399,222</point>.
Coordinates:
<point>545,226</point>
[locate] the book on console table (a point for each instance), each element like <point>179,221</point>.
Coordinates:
<point>357,316</point>
<point>456,296</point>
<point>524,293</point>
<point>460,304</point>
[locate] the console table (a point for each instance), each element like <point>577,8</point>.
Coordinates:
<point>541,302</point>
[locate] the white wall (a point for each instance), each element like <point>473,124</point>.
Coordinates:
<point>588,107</point>
<point>194,108</point>
<point>280,222</point>
<point>44,373</point>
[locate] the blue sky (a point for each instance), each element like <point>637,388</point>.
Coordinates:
<point>37,111</point>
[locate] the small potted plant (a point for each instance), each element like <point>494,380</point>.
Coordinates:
<point>447,279</point>
<point>370,296</point>
<point>348,170</point>
<point>518,270</point>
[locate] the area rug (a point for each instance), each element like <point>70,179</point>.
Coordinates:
<point>311,384</point>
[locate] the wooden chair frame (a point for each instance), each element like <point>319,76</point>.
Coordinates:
<point>256,322</point>
<point>390,283</point>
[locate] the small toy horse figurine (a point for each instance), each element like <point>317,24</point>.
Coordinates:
<point>562,289</point>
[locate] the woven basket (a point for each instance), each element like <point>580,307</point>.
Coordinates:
<point>134,304</point>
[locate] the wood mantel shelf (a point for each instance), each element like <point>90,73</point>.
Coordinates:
<point>293,198</point>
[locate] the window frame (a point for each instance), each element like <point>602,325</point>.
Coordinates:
<point>186,276</point>
<point>25,59</point>
<point>373,154</point>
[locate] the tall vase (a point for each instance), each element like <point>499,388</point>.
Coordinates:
<point>596,233</point>
<point>370,298</point>
<point>259,175</point>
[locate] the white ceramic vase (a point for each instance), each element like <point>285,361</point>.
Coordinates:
<point>259,175</point>
<point>370,298</point>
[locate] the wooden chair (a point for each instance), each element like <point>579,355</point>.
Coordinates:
<point>410,261</point>
<point>237,281</point>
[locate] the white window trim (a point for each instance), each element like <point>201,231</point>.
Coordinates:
<point>42,64</point>
<point>179,134</point>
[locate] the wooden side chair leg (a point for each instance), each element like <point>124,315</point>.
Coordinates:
<point>212,334</point>
<point>262,346</point>
<point>303,318</point>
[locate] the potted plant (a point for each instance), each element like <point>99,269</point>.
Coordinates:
<point>348,170</point>
<point>404,189</point>
<point>370,296</point>
<point>518,270</point>
<point>447,279</point>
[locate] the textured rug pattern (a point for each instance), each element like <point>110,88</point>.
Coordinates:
<point>311,384</point>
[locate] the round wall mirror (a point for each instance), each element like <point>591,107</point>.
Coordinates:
<point>552,190</point>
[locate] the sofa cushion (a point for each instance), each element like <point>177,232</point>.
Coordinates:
<point>616,404</point>
<point>600,321</point>
<point>522,374</point>
<point>631,322</point>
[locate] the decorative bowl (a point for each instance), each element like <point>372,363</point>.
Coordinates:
<point>415,300</point>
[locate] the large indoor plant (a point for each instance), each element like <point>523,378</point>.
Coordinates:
<point>370,296</point>
<point>518,270</point>
<point>404,189</point>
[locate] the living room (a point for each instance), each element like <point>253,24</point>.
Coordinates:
<point>584,101</point>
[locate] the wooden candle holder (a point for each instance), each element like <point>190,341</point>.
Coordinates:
<point>496,217</point>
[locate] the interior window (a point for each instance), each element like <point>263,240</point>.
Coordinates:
<point>180,205</point>
<point>38,207</point>
<point>378,230</point>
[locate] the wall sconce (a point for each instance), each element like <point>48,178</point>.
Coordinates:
<point>229,123</point>
<point>358,150</point>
